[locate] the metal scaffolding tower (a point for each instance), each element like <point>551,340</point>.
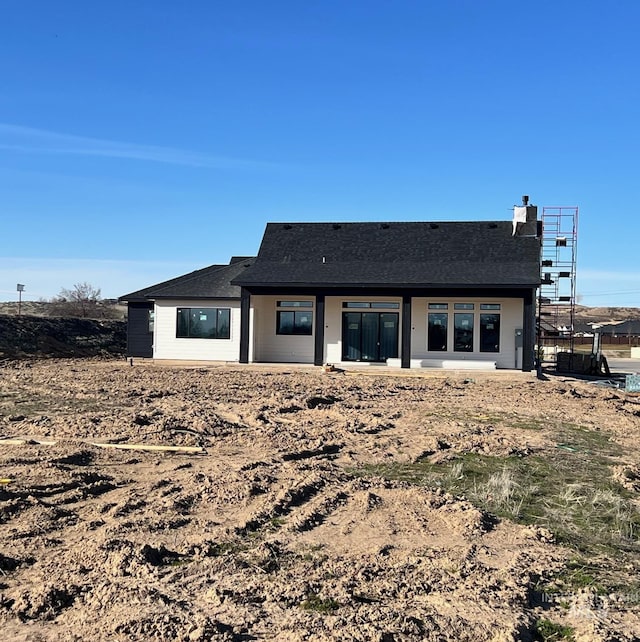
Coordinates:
<point>557,294</point>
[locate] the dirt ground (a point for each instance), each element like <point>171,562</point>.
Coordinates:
<point>272,532</point>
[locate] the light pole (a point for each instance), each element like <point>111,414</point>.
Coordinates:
<point>20,289</point>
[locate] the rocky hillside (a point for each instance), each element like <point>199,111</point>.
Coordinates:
<point>30,336</point>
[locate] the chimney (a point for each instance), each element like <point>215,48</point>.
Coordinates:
<point>525,219</point>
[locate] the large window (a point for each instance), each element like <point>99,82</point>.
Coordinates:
<point>466,322</point>
<point>204,323</point>
<point>437,334</point>
<point>463,332</point>
<point>489,333</point>
<point>297,320</point>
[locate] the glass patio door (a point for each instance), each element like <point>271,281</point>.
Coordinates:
<point>369,336</point>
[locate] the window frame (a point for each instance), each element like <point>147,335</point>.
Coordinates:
<point>478,314</point>
<point>443,315</point>
<point>372,305</point>
<point>296,311</point>
<point>457,329</point>
<point>218,334</point>
<point>289,303</point>
<point>482,331</point>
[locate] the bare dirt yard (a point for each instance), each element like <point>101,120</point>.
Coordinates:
<point>317,506</point>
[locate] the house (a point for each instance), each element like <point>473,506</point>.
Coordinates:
<point>582,329</point>
<point>417,294</point>
<point>628,328</point>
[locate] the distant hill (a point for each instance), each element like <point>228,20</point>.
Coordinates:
<point>603,315</point>
<point>597,314</point>
<point>105,309</point>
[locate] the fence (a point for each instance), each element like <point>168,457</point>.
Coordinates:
<point>608,339</point>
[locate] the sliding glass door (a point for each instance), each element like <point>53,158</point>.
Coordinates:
<point>369,336</point>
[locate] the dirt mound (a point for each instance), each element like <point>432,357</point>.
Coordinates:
<point>304,518</point>
<point>27,336</point>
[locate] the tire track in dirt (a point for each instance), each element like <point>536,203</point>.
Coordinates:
<point>267,535</point>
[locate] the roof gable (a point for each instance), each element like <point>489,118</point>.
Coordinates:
<point>212,282</point>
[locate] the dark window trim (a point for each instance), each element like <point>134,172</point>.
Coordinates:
<point>295,304</point>
<point>296,328</point>
<point>374,305</point>
<point>216,314</point>
<point>430,344</point>
<point>459,330</point>
<point>481,333</point>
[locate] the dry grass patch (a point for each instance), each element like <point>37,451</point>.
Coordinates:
<point>569,489</point>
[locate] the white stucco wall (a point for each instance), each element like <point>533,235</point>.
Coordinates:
<point>511,311</point>
<point>167,346</point>
<point>266,346</point>
<point>333,323</point>
<point>278,348</point>
<point>270,347</point>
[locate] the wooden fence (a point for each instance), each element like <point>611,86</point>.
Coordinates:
<point>610,340</point>
<point>606,340</point>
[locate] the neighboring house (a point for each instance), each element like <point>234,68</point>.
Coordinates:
<point>401,294</point>
<point>548,330</point>
<point>629,328</point>
<point>582,329</point>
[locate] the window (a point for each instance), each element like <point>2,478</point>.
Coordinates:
<point>463,331</point>
<point>384,305</point>
<point>437,332</point>
<point>464,326</point>
<point>204,323</point>
<point>151,320</point>
<point>296,321</point>
<point>489,333</point>
<point>295,304</point>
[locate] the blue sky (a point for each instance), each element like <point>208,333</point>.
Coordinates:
<point>141,140</point>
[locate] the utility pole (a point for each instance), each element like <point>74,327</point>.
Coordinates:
<point>20,289</point>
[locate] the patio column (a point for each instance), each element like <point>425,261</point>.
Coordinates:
<point>318,346</point>
<point>528,330</point>
<point>245,310</point>
<point>405,350</point>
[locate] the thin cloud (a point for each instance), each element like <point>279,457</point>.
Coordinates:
<point>609,275</point>
<point>40,141</point>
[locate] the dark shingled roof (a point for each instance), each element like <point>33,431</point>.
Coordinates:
<point>212,282</point>
<point>630,326</point>
<point>451,254</point>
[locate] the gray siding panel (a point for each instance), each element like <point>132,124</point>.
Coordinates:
<point>139,339</point>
